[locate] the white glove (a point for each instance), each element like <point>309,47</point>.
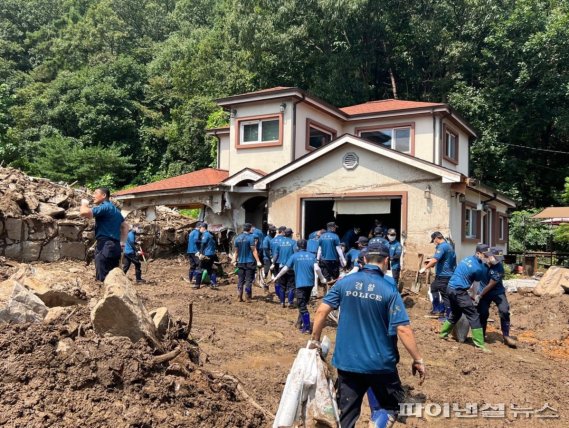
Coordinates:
<point>85,202</point>
<point>477,300</point>
<point>272,267</point>
<point>259,264</point>
<point>422,270</point>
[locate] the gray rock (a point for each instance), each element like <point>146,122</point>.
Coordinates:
<point>51,210</point>
<point>555,282</point>
<point>31,201</point>
<point>72,250</point>
<point>70,231</point>
<point>50,252</point>
<point>161,318</point>
<point>121,313</point>
<point>15,229</point>
<point>13,251</point>
<point>31,250</point>
<point>22,307</point>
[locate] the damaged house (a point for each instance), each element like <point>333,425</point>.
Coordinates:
<point>289,158</point>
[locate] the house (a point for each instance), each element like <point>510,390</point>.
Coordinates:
<point>292,159</point>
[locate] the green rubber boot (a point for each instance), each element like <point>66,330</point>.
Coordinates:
<point>478,339</point>
<point>446,329</point>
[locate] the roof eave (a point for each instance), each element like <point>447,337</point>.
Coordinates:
<point>167,192</point>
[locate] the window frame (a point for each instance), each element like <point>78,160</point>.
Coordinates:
<point>310,123</point>
<point>446,132</point>
<point>239,144</point>
<point>475,222</point>
<point>392,127</point>
<point>502,228</point>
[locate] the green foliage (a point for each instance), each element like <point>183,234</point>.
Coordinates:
<point>527,233</point>
<point>140,76</point>
<point>65,159</point>
<point>192,213</point>
<point>565,194</point>
<point>561,237</point>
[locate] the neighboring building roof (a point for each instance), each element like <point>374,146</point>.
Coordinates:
<point>202,177</point>
<point>447,175</point>
<point>554,212</point>
<point>386,105</point>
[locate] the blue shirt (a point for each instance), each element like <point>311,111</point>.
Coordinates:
<point>469,269</point>
<point>258,235</point>
<point>303,265</point>
<point>208,244</point>
<point>193,241</point>
<point>129,247</point>
<point>352,257</point>
<point>395,251</point>
<point>312,245</point>
<point>446,260</point>
<point>371,309</point>
<point>285,249</point>
<point>267,247</point>
<point>496,273</point>
<point>328,242</point>
<point>108,220</point>
<point>243,243</point>
<point>313,234</point>
<point>350,238</point>
<point>274,244</point>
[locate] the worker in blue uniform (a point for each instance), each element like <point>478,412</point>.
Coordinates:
<point>207,257</point>
<point>350,238</point>
<point>110,231</point>
<point>353,254</point>
<point>469,270</point>
<point>444,261</point>
<point>372,318</point>
<point>378,236</point>
<point>266,247</point>
<point>313,241</point>
<point>131,253</point>
<point>284,249</point>
<point>306,270</point>
<point>246,258</point>
<point>330,254</point>
<point>491,290</point>
<point>193,248</point>
<point>395,253</point>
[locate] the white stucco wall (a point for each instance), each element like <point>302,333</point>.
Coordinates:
<point>223,152</point>
<point>463,149</point>
<point>304,112</point>
<point>375,173</point>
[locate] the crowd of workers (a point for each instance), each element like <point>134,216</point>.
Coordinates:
<point>354,270</point>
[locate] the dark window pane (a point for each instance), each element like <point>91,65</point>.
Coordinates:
<point>270,130</point>
<point>318,138</point>
<point>403,140</point>
<point>382,138</point>
<point>250,132</point>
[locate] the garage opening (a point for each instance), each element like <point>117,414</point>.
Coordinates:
<point>350,212</point>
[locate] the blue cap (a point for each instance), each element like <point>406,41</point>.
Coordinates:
<point>378,249</point>
<point>496,252</point>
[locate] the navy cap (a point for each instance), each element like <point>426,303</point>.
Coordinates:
<point>482,248</point>
<point>288,231</point>
<point>378,231</point>
<point>436,235</point>
<point>272,227</point>
<point>362,240</point>
<point>496,252</point>
<point>330,224</point>
<point>378,248</point>
<point>282,228</point>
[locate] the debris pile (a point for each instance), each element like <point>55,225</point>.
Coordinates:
<point>76,366</point>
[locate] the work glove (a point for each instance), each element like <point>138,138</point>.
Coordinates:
<point>139,253</point>
<point>419,367</point>
<point>422,270</point>
<point>477,300</point>
<point>272,267</point>
<point>259,264</point>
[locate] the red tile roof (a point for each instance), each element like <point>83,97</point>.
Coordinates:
<point>202,177</point>
<point>385,106</point>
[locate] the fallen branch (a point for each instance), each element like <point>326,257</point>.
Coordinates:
<point>246,396</point>
<point>166,357</point>
<point>191,318</point>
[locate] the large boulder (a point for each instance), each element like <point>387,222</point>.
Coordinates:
<point>54,288</point>
<point>23,306</point>
<point>121,312</point>
<point>555,282</point>
<point>51,210</point>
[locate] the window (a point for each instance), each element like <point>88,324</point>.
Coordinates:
<point>450,147</point>
<point>470,223</point>
<point>318,135</point>
<point>396,138</point>
<point>259,131</point>
<point>501,228</point>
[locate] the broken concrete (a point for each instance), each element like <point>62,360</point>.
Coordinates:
<point>162,319</point>
<point>555,282</point>
<point>23,306</point>
<point>121,312</point>
<point>54,288</point>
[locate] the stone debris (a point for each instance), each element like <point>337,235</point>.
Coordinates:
<point>22,307</point>
<point>555,282</point>
<point>54,288</point>
<point>162,320</point>
<point>121,312</point>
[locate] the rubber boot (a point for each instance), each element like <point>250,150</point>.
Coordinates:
<point>478,339</point>
<point>382,419</point>
<point>291,298</point>
<point>249,293</point>
<point>436,304</point>
<point>306,323</point>
<point>446,329</point>
<point>240,294</point>
<point>508,341</point>
<point>213,280</point>
<point>298,323</point>
<point>198,276</point>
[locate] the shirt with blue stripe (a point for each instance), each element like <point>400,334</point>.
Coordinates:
<point>496,273</point>
<point>208,244</point>
<point>243,243</point>
<point>446,260</point>
<point>303,265</point>
<point>285,249</point>
<point>327,243</point>
<point>469,269</point>
<point>193,241</point>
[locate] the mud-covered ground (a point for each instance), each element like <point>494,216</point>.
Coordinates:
<point>257,343</point>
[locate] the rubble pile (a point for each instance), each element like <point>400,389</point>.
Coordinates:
<point>39,219</point>
<point>106,361</point>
